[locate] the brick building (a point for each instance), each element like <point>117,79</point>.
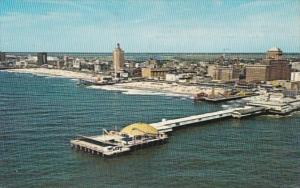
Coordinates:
<point>224,73</point>
<point>273,67</point>
<point>154,73</point>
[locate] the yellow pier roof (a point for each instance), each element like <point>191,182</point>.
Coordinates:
<point>139,129</point>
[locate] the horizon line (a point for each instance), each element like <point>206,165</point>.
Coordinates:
<point>149,52</point>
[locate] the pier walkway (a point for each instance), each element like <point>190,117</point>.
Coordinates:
<point>168,125</point>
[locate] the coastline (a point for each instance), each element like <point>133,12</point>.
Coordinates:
<point>53,73</point>
<point>138,88</point>
<point>167,88</point>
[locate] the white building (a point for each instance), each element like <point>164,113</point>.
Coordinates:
<point>97,66</point>
<point>295,76</point>
<point>170,77</point>
<point>296,66</point>
<point>77,63</point>
<point>21,64</point>
<point>183,78</point>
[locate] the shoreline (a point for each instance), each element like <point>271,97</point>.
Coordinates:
<point>146,87</point>
<point>52,73</point>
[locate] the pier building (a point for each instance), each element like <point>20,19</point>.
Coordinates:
<point>276,103</point>
<point>115,142</point>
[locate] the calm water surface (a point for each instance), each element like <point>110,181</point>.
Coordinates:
<point>39,115</point>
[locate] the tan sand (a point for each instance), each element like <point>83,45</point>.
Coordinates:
<point>147,86</point>
<point>169,88</point>
<point>54,72</point>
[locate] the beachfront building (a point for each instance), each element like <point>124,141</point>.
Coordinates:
<point>77,64</point>
<point>182,78</point>
<point>118,59</point>
<point>154,73</point>
<point>21,64</point>
<point>42,58</point>
<point>295,76</point>
<point>296,66</point>
<point>273,67</point>
<point>60,64</point>
<point>2,56</point>
<point>224,73</point>
<point>97,66</point>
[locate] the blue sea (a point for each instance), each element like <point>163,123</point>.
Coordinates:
<point>39,115</point>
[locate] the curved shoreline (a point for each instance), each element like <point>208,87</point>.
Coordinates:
<point>130,87</point>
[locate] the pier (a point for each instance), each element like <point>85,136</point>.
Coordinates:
<point>140,135</point>
<point>166,126</point>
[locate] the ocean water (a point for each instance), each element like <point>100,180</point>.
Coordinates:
<point>39,115</point>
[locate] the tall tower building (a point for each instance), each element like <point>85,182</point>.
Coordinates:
<point>42,58</point>
<point>2,56</point>
<point>118,58</point>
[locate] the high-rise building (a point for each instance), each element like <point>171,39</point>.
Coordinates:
<point>273,67</point>
<point>42,58</point>
<point>118,58</point>
<point>2,56</point>
<point>224,73</point>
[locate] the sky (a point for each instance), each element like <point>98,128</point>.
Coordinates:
<point>149,26</point>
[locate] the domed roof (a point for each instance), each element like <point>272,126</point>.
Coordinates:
<point>274,49</point>
<point>138,129</point>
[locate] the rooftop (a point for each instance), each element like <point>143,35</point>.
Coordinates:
<point>274,49</point>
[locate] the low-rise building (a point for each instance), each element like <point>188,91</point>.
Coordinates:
<point>289,85</point>
<point>296,66</point>
<point>171,77</point>
<point>151,63</point>
<point>183,77</point>
<point>21,64</point>
<point>295,76</point>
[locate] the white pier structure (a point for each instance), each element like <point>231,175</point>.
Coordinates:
<point>168,125</point>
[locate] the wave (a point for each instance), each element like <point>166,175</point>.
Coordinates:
<point>233,104</point>
<point>277,116</point>
<point>33,74</point>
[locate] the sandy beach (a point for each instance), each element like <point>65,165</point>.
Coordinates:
<point>54,72</point>
<point>167,88</point>
<point>142,86</point>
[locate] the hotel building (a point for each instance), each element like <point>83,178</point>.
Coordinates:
<point>273,67</point>
<point>118,59</point>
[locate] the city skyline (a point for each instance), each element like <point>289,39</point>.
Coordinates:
<point>215,26</point>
